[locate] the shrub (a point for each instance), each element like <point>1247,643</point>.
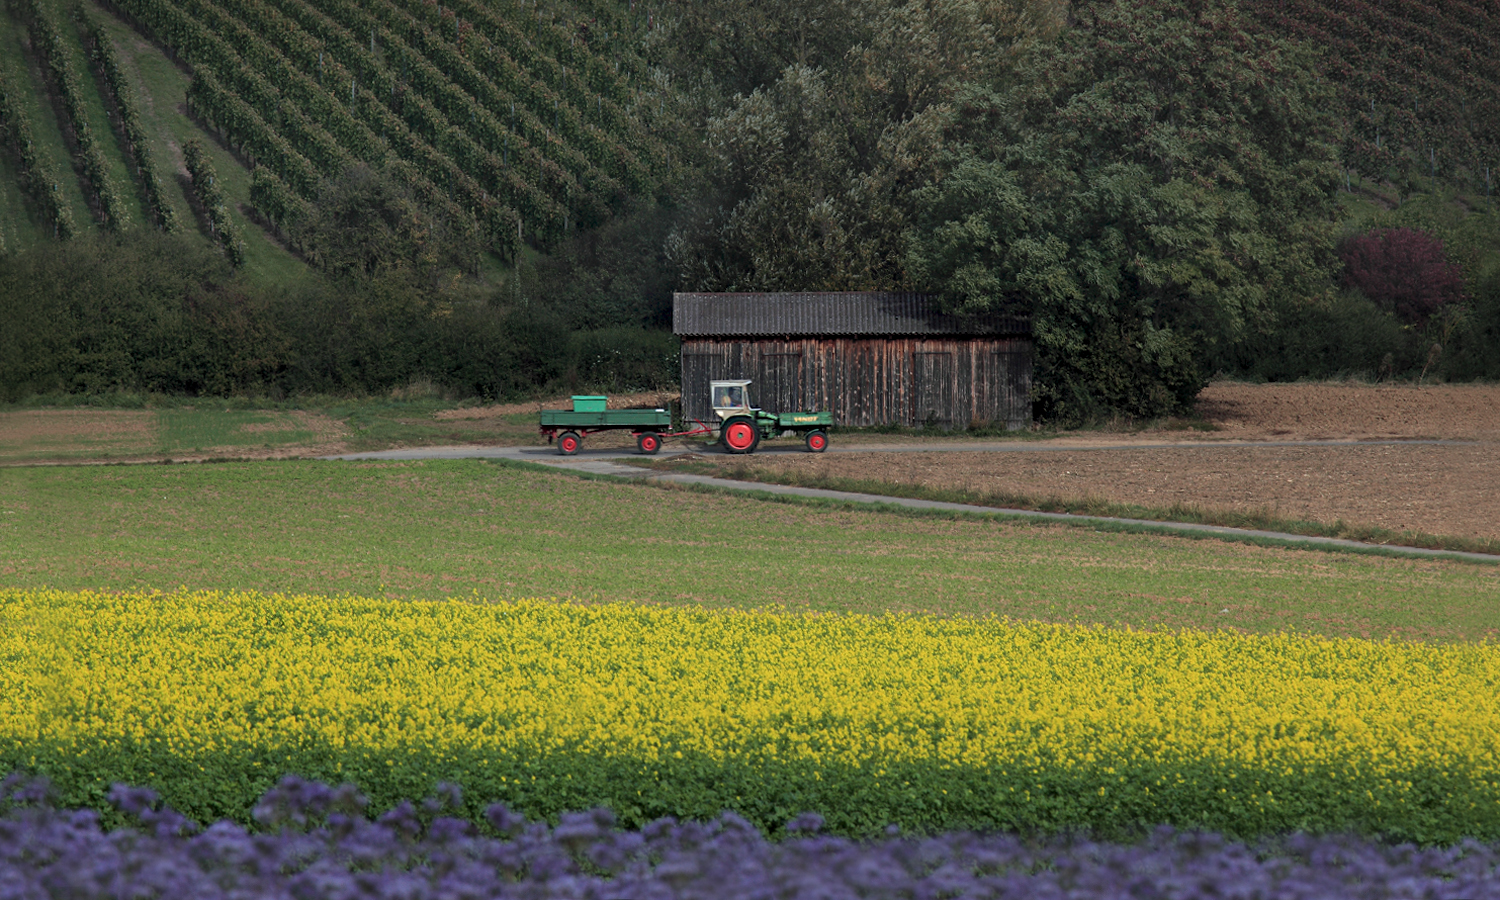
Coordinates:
<point>1402,270</point>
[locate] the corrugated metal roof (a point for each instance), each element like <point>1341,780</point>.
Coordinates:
<point>828,313</point>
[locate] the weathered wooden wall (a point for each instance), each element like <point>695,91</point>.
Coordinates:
<point>947,382</point>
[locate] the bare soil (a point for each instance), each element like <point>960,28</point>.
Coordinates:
<point>1444,489</point>
<point>1352,411</point>
<point>73,435</point>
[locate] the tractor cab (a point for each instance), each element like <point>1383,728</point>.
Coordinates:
<point>730,398</point>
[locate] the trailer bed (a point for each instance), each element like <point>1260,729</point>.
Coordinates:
<point>641,419</point>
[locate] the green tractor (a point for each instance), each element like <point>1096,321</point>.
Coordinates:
<point>741,426</point>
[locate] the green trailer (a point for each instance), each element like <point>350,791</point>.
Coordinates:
<point>738,426</point>
<point>589,414</point>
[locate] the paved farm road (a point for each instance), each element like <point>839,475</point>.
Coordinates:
<point>605,462</point>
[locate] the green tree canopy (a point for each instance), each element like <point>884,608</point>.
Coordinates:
<point>138,311</point>
<point>811,169</point>
<point>1154,184</point>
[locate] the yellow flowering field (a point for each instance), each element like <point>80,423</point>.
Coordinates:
<point>929,723</point>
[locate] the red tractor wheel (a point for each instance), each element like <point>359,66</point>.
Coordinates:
<point>817,441</point>
<point>569,443</point>
<point>740,435</point>
<point>648,442</point>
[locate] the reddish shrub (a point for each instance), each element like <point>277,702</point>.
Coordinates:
<point>1403,270</point>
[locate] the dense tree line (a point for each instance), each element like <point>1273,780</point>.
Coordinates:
<point>1154,184</point>
<point>818,121</point>
<point>145,312</point>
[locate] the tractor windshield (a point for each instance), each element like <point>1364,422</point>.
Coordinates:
<point>730,396</point>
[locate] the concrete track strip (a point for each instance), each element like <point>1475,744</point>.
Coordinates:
<point>601,462</point>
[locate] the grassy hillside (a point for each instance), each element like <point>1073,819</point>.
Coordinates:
<point>161,89</point>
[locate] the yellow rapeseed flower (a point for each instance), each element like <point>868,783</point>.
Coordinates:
<point>206,672</point>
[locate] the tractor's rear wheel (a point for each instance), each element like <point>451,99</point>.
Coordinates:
<point>740,435</point>
<point>569,443</point>
<point>817,441</point>
<point>648,442</point>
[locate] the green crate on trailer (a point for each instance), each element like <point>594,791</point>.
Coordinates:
<point>589,403</point>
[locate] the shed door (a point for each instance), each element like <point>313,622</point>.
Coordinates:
<point>1010,386</point>
<point>933,386</point>
<point>778,381</point>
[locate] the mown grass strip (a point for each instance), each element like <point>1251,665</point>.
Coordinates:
<point>45,428</point>
<point>1262,519</point>
<point>933,724</point>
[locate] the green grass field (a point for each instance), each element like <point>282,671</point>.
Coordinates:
<point>457,528</point>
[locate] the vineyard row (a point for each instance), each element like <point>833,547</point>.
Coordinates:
<point>122,96</point>
<point>253,115</point>
<point>48,38</point>
<point>39,178</point>
<point>211,197</point>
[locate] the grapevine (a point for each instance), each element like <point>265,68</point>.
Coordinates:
<point>38,177</point>
<point>46,36</point>
<point>211,198</point>
<point>136,143</point>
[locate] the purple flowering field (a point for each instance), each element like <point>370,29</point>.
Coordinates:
<point>313,841</point>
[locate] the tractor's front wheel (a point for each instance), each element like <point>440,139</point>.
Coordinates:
<point>569,443</point>
<point>817,441</point>
<point>740,435</point>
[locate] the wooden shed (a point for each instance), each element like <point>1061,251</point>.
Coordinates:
<point>869,357</point>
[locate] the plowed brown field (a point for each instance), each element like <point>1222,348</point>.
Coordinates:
<point>1446,489</point>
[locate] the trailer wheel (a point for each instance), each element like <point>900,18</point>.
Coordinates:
<point>740,435</point>
<point>817,441</point>
<point>569,443</point>
<point>648,442</point>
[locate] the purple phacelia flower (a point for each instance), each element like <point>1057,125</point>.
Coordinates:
<point>46,853</point>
